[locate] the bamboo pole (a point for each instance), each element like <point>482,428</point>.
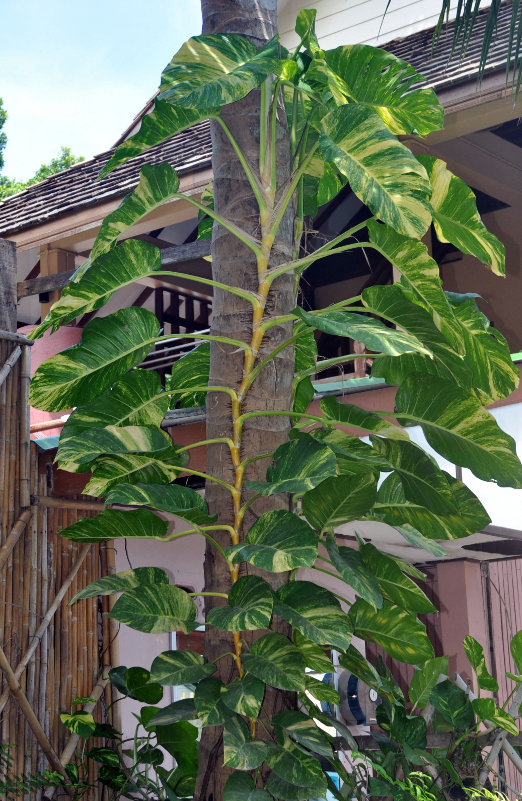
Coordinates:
<point>15,534</point>
<point>67,503</point>
<point>9,363</point>
<point>36,728</point>
<point>13,336</point>
<point>25,437</point>
<point>46,424</point>
<point>46,621</point>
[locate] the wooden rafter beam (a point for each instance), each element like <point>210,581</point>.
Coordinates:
<point>169,258</point>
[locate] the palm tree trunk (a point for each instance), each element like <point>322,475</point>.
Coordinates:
<point>234,264</point>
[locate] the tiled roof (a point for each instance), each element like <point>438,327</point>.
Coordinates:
<point>434,63</point>
<point>77,187</point>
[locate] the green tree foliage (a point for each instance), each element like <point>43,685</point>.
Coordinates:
<point>345,109</point>
<point>10,186</point>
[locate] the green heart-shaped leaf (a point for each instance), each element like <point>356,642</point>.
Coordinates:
<point>354,572</point>
<point>240,751</point>
<point>400,633</point>
<point>244,696</point>
<point>250,606</point>
<point>119,582</point>
<point>111,524</point>
<point>339,499</point>
<point>278,541</point>
<point>173,498</point>
<point>315,612</point>
<point>275,661</point>
<point>180,667</point>
<point>157,609</point>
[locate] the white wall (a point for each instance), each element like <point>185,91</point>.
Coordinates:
<point>342,22</point>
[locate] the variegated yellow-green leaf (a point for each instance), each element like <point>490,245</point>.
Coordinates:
<point>373,333</point>
<point>355,417</point>
<point>379,80</point>
<point>299,465</point>
<point>392,303</point>
<point>158,609</point>
<point>314,656</point>
<point>353,456</point>
<point>240,751</point>
<point>161,123</point>
<point>275,661</point>
<point>459,428</point>
<point>303,731</point>
<point>394,585</point>
<point>321,690</point>
<point>210,71</point>
<point>119,582</point>
<point>354,572</point>
<point>382,172</point>
<point>411,258</point>
<point>136,399</point>
<point>208,702</point>
<point>148,468</point>
<point>110,347</point>
<point>250,603</point>
<point>453,703</point>
<point>293,764</point>
<point>96,282</point>
<point>173,498</point>
<point>112,524</point>
<point>315,612</point>
<point>486,709</point>
<point>339,499</point>
<point>424,680</point>
<point>244,695</point>
<point>179,710</point>
<point>393,508</point>
<point>475,653</point>
<point>400,633</point>
<point>75,453</point>
<point>277,541</point>
<point>456,218</point>
<point>418,540</point>
<point>191,370</point>
<point>422,479</point>
<point>158,183</point>
<point>515,646</point>
<point>494,376</point>
<point>180,667</point>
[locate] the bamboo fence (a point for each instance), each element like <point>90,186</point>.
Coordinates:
<point>49,652</point>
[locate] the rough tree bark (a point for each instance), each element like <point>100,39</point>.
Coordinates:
<point>234,264</point>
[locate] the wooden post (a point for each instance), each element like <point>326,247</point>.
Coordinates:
<point>8,284</point>
<point>53,261</point>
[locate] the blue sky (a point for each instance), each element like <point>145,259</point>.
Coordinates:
<point>75,73</point>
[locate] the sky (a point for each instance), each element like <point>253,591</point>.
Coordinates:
<point>75,73</point>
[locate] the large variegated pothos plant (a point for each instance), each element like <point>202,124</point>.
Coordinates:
<point>325,119</point>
